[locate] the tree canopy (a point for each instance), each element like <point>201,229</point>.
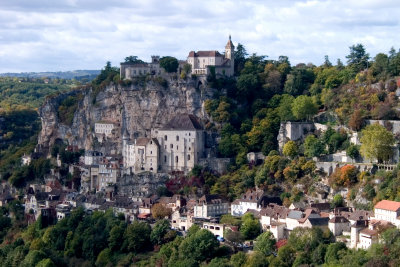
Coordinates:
<point>377,143</point>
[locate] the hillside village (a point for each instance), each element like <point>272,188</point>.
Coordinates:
<point>188,165</point>
<point>179,146</point>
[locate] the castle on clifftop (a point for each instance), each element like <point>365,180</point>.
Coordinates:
<point>200,61</point>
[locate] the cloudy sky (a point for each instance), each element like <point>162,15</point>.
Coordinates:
<point>49,35</point>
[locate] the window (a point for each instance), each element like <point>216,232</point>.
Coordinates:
<point>176,159</point>
<point>151,152</point>
<point>172,146</point>
<point>177,138</point>
<point>189,134</point>
<point>165,138</point>
<point>176,147</point>
<point>189,148</point>
<point>165,158</point>
<point>188,157</point>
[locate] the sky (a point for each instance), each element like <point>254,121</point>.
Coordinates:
<point>62,35</point>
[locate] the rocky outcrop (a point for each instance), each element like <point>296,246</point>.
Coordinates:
<point>139,108</point>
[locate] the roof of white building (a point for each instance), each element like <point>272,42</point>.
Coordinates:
<point>211,53</point>
<point>183,122</point>
<point>388,205</point>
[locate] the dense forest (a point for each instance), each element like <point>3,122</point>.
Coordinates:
<point>246,111</point>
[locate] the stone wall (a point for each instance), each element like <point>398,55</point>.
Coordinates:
<point>293,131</point>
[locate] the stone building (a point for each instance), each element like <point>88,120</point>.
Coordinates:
<point>104,128</point>
<point>142,154</point>
<point>181,143</point>
<point>210,206</point>
<point>201,61</point>
<point>128,70</point>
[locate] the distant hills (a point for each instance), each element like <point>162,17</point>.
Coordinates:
<point>75,74</point>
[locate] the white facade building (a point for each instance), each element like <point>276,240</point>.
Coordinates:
<point>142,154</point>
<point>209,206</point>
<point>201,61</point>
<point>388,210</point>
<point>181,143</point>
<point>92,157</point>
<point>105,128</point>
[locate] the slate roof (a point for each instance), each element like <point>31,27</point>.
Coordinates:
<point>338,219</point>
<point>211,53</point>
<point>183,122</point>
<point>295,214</point>
<point>318,221</point>
<point>321,206</point>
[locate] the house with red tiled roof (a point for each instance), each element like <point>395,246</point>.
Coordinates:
<point>203,61</point>
<point>388,210</point>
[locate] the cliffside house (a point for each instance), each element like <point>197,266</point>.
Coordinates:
<point>181,143</point>
<point>201,61</point>
<point>92,157</point>
<point>210,206</point>
<point>253,199</point>
<point>128,70</point>
<point>388,210</point>
<point>142,154</point>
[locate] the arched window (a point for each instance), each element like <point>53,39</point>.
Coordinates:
<point>165,138</point>
<point>188,157</point>
<point>177,138</point>
<point>176,159</point>
<point>165,158</point>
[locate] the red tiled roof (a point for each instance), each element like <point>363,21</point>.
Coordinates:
<point>143,215</point>
<point>369,232</point>
<point>388,205</point>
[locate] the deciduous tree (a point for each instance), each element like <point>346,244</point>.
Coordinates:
<point>377,143</point>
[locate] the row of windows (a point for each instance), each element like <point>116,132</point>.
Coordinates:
<point>176,158</point>
<point>177,137</point>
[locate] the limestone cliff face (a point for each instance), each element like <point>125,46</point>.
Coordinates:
<point>138,108</point>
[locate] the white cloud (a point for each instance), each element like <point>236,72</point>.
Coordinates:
<point>46,35</point>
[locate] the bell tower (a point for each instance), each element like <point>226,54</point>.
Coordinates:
<point>229,49</point>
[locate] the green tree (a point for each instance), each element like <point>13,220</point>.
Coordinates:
<point>333,252</point>
<point>240,55</point>
<point>251,227</point>
<point>303,107</point>
<point>377,143</point>
<point>159,231</point>
<point>338,201</point>
<point>353,151</point>
<point>238,259</point>
<point>285,108</point>
<point>104,258</point>
<point>265,243</point>
<point>199,246</point>
<point>170,64</point>
<point>358,58</point>
<point>290,149</point>
<point>137,236</point>
<point>45,263</point>
<point>313,147</point>
<point>116,238</point>
<point>247,85</point>
<point>133,59</point>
